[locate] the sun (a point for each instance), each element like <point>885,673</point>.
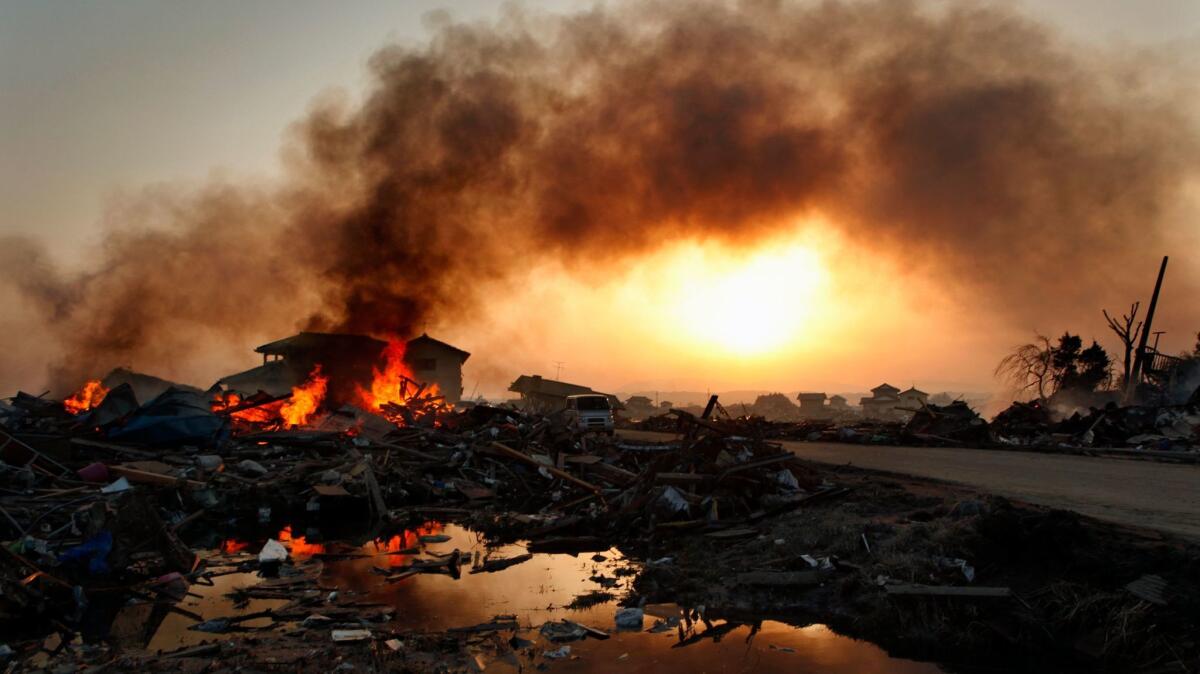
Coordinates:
<point>747,304</point>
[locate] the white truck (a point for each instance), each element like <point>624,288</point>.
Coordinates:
<point>591,412</point>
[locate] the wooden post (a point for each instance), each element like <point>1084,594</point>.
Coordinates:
<point>1140,357</point>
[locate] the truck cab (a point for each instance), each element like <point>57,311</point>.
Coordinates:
<point>591,412</point>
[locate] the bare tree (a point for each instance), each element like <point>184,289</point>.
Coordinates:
<point>1029,366</point>
<point>1128,333</point>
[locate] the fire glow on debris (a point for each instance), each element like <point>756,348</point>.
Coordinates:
<point>395,384</point>
<point>306,399</point>
<point>297,410</point>
<point>91,394</point>
<point>261,414</point>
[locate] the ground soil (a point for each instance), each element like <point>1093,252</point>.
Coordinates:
<point>1070,610</point>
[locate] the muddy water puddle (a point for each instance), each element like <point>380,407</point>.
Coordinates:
<point>377,575</point>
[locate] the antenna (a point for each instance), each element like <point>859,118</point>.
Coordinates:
<point>558,368</point>
<point>1157,334</point>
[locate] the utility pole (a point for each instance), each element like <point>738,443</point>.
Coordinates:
<point>558,366</point>
<point>1140,356</point>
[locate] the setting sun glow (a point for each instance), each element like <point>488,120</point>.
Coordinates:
<point>748,304</point>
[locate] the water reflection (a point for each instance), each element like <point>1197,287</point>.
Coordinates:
<point>535,591</point>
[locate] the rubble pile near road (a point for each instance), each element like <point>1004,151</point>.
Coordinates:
<point>1170,432</point>
<point>1154,430</point>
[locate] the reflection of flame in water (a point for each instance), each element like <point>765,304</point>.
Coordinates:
<point>232,546</point>
<point>91,394</point>
<point>409,538</point>
<point>299,547</point>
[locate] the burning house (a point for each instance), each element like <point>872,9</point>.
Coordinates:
<point>350,362</point>
<point>435,362</point>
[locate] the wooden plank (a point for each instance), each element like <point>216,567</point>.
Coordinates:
<point>511,453</point>
<point>780,578</point>
<point>758,463</point>
<point>157,479</point>
<point>726,534</point>
<point>417,454</point>
<point>613,474</point>
<point>947,591</point>
<point>682,478</point>
<point>1150,588</point>
<point>330,490</point>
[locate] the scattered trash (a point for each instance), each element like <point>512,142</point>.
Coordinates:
<point>120,485</point>
<point>629,618</point>
<point>272,552</point>
<point>341,636</point>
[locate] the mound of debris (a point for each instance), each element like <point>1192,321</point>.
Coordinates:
<point>95,507</point>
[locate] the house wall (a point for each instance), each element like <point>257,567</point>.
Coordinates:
<point>434,365</point>
<point>879,409</point>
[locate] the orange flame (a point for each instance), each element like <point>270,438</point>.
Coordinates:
<point>306,399</point>
<point>86,398</point>
<point>231,546</point>
<point>263,414</point>
<point>394,385</point>
<point>298,546</point>
<point>408,539</point>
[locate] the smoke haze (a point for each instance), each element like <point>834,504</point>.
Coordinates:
<point>969,144</point>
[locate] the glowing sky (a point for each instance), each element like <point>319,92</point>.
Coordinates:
<point>104,98</point>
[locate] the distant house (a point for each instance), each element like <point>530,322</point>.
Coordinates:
<point>882,403</point>
<point>349,361</point>
<point>547,395</point>
<point>837,403</point>
<point>639,407</point>
<point>812,405</point>
<point>775,407</point>
<point>913,399</point>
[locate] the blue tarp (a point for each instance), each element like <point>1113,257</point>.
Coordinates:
<point>176,417</point>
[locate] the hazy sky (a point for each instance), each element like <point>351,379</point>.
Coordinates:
<point>108,95</point>
<point>104,97</point>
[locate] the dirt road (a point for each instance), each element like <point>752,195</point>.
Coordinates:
<point>1161,496</point>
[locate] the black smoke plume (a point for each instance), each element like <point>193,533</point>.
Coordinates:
<point>968,140</point>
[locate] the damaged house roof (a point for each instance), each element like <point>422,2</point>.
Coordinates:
<point>320,341</point>
<point>426,341</point>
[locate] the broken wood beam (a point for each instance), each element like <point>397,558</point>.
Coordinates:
<point>505,450</point>
<point>156,479</point>
<point>780,578</point>
<point>683,478</point>
<point>947,591</point>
